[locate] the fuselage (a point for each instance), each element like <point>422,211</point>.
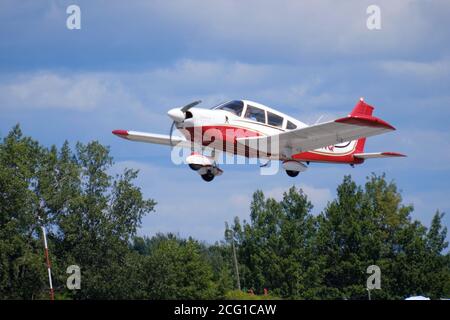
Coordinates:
<point>220,127</point>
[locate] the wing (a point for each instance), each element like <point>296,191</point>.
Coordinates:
<point>374,155</point>
<point>155,138</point>
<point>321,135</point>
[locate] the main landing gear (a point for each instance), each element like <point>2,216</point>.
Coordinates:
<point>205,166</point>
<point>293,167</point>
<point>292,173</point>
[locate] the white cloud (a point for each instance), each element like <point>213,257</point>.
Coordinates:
<point>161,88</point>
<point>426,203</point>
<point>240,200</point>
<point>50,90</point>
<point>290,28</point>
<point>432,70</point>
<point>319,197</point>
<point>426,149</point>
<point>255,30</point>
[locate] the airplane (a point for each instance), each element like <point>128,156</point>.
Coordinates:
<point>253,130</point>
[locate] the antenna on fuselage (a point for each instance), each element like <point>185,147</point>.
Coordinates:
<point>320,118</point>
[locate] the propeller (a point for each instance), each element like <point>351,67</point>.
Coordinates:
<point>190,105</point>
<point>171,132</point>
<point>178,115</point>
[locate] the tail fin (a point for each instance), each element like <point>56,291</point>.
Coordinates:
<point>361,109</point>
<point>360,145</point>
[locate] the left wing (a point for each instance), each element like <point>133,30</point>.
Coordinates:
<point>163,139</point>
<point>352,127</point>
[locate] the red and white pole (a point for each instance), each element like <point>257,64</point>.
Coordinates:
<point>52,295</point>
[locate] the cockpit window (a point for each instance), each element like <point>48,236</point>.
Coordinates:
<point>274,120</point>
<point>255,114</point>
<point>291,126</point>
<point>234,107</point>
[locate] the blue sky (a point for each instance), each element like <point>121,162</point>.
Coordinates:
<point>132,61</point>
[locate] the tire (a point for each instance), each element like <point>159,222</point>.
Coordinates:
<point>208,176</point>
<point>194,167</point>
<point>292,174</point>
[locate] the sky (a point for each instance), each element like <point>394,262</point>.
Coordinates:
<point>131,61</point>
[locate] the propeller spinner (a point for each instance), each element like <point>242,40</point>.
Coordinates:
<point>178,115</point>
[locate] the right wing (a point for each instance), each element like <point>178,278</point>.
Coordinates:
<point>155,138</point>
<point>373,155</point>
<point>321,135</point>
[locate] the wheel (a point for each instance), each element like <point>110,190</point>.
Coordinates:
<point>194,167</point>
<point>292,174</point>
<point>208,176</point>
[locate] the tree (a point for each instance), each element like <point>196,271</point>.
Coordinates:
<point>177,269</point>
<point>438,265</point>
<point>371,226</point>
<point>21,266</point>
<point>92,220</point>
<point>296,255</point>
<point>219,256</point>
<point>275,248</point>
<point>99,222</point>
<point>90,217</point>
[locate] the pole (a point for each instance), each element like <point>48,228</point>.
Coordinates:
<point>47,258</point>
<point>236,264</point>
<point>368,291</point>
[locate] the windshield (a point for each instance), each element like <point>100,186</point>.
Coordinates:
<point>235,107</point>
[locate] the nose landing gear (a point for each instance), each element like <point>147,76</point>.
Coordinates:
<point>194,167</point>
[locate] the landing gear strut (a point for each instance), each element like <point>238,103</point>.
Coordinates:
<point>205,166</point>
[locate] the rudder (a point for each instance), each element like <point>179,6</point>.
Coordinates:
<point>361,109</point>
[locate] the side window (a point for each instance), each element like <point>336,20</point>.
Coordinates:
<point>274,120</point>
<point>255,114</point>
<point>291,126</point>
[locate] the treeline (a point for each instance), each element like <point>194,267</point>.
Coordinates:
<point>92,218</point>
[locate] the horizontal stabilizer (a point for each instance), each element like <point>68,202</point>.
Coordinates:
<point>374,155</point>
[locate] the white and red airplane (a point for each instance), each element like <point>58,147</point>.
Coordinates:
<point>250,129</point>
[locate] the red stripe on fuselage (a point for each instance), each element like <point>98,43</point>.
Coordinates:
<point>222,135</point>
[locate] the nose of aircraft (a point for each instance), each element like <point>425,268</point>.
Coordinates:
<point>176,114</point>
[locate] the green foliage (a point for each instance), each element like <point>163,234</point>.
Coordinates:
<point>239,295</point>
<point>179,270</point>
<point>294,254</point>
<point>274,247</point>
<point>92,220</point>
<point>90,217</point>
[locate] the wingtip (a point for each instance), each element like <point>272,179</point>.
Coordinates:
<point>368,121</point>
<point>120,133</point>
<point>394,154</point>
